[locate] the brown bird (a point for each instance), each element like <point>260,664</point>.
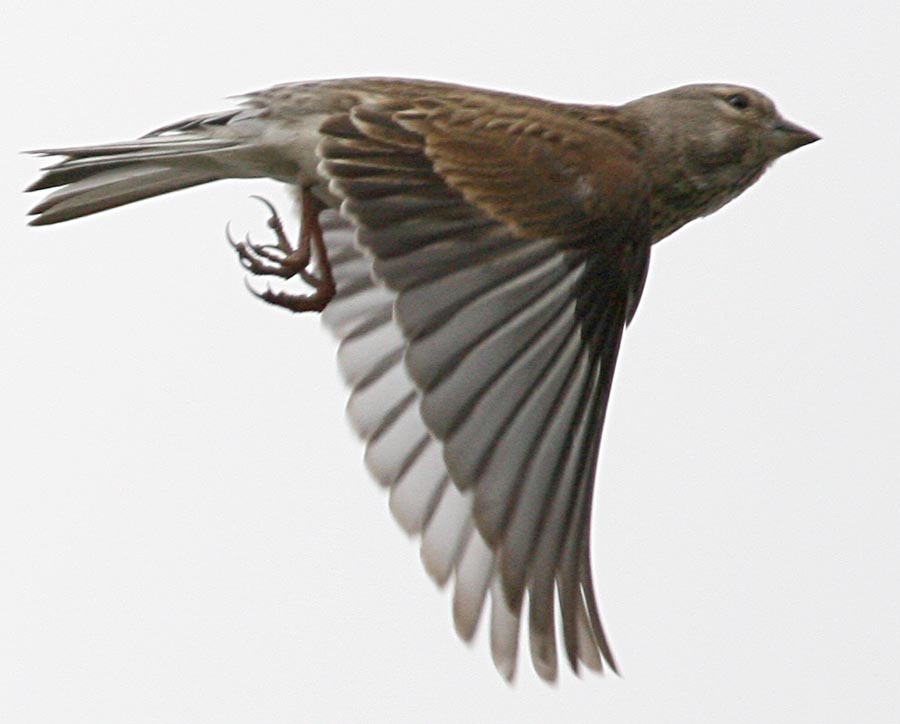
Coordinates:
<point>479,255</point>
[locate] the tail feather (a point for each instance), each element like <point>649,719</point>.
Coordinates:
<point>108,189</point>
<point>151,144</point>
<point>90,160</point>
<point>96,178</point>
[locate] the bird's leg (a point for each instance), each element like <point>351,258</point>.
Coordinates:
<point>284,260</point>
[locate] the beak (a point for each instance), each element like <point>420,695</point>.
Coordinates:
<point>789,136</point>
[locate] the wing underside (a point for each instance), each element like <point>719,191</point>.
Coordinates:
<point>480,322</point>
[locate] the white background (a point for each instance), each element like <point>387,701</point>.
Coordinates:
<point>187,533</point>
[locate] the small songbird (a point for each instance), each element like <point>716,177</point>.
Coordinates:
<point>479,255</point>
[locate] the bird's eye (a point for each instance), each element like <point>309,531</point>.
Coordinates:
<point>739,101</point>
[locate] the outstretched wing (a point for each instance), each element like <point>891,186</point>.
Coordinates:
<point>481,301</point>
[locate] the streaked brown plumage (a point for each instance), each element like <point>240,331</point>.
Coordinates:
<point>488,250</point>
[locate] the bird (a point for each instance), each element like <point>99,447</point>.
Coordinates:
<point>478,255</point>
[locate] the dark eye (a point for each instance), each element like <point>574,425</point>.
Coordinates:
<point>739,101</point>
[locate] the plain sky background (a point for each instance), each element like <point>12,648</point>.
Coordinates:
<point>187,532</point>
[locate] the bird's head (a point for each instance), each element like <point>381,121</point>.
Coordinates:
<point>709,142</point>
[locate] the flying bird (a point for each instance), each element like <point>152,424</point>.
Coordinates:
<point>479,255</point>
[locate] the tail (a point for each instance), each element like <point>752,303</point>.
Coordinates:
<point>96,178</point>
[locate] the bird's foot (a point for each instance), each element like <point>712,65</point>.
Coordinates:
<point>284,260</point>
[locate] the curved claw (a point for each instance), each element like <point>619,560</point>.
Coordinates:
<point>251,289</point>
<point>231,241</point>
<point>267,203</point>
<point>274,223</point>
<point>268,295</point>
